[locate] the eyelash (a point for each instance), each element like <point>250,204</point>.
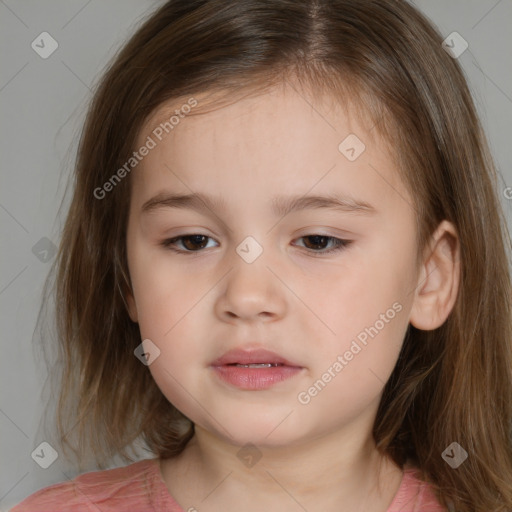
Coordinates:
<point>340,244</point>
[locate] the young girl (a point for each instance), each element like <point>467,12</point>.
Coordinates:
<point>285,269</point>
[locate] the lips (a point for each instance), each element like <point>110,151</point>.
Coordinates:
<point>252,357</point>
<point>254,370</point>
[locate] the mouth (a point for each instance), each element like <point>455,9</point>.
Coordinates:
<point>256,365</point>
<point>254,370</point>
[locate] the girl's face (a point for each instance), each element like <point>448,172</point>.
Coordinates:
<point>258,273</point>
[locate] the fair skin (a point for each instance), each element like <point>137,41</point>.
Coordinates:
<point>195,306</point>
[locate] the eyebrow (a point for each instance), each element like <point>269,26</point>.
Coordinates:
<point>281,205</point>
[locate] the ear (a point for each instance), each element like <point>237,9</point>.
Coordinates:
<point>438,281</point>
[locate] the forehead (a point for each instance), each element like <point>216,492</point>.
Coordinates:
<point>278,141</point>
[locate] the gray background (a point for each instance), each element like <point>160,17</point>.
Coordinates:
<point>43,104</point>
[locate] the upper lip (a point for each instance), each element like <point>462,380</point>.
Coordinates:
<point>242,356</point>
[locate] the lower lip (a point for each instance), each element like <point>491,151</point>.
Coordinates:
<point>255,378</point>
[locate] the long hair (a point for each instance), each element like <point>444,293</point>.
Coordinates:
<point>450,384</point>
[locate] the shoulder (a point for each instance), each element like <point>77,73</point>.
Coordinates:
<point>415,495</point>
<point>137,486</point>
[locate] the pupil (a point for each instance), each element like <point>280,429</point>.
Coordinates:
<point>195,241</point>
<point>315,238</point>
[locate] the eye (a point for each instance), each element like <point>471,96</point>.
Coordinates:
<point>320,240</point>
<point>192,243</point>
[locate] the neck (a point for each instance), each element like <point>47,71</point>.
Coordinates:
<point>339,467</point>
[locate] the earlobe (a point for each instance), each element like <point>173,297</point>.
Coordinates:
<point>438,282</point>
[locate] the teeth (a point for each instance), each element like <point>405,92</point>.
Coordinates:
<point>257,365</point>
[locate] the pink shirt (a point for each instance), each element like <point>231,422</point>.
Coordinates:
<point>139,487</point>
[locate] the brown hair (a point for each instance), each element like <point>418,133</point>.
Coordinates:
<point>450,384</point>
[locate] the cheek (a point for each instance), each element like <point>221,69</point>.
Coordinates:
<point>366,308</point>
<point>355,371</point>
<point>352,297</point>
<point>162,294</point>
<point>165,309</point>
<point>169,303</point>
<point>176,384</point>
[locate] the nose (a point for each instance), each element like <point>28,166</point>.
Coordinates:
<point>252,292</point>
